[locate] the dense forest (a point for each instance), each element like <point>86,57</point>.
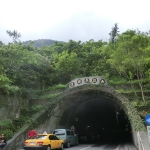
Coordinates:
<point>26,68</point>
<point>126,57</point>
<point>40,42</point>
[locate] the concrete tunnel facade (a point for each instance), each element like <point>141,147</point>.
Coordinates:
<point>90,104</point>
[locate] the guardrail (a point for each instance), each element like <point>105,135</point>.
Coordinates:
<point>141,147</point>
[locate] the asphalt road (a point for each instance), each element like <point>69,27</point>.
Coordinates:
<point>119,146</point>
<point>107,146</point>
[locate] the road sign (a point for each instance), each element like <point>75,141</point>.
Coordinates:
<point>147,119</point>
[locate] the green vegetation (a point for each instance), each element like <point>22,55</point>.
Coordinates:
<point>35,71</point>
<point>40,43</point>
<point>49,96</point>
<point>8,128</point>
<point>53,88</point>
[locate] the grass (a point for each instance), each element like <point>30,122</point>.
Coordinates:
<point>52,88</point>
<point>48,96</point>
<point>120,81</point>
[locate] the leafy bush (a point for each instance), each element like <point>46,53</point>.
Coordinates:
<point>49,96</point>
<point>117,80</point>
<point>4,80</point>
<point>29,93</point>
<point>8,133</point>
<point>53,88</point>
<point>5,128</point>
<point>10,89</point>
<point>5,122</point>
<point>56,87</point>
<point>36,107</point>
<point>5,85</point>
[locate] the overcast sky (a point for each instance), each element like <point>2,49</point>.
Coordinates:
<point>63,20</point>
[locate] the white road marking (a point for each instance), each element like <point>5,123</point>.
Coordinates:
<point>118,147</point>
<point>85,148</point>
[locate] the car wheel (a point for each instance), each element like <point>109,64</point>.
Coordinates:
<point>77,143</point>
<point>48,148</point>
<point>62,147</point>
<point>68,144</point>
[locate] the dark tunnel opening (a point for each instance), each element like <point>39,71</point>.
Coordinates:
<point>97,120</point>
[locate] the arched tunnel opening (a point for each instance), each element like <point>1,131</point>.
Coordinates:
<point>97,119</point>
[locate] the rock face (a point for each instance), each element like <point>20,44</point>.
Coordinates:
<point>9,106</point>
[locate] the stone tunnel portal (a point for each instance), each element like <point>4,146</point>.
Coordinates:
<point>98,112</point>
<point>96,118</point>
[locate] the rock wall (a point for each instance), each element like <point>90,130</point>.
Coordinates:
<point>9,106</point>
<point>40,122</point>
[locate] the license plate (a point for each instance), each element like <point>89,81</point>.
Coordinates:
<point>32,143</point>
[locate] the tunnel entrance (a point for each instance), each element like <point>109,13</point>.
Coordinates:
<point>98,119</point>
<point>98,112</point>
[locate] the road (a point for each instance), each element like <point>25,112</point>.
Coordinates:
<point>127,146</point>
<point>103,147</point>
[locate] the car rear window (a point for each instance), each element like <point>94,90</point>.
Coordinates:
<point>68,133</point>
<point>59,132</point>
<point>41,137</point>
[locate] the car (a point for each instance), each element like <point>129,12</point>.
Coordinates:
<point>67,135</point>
<point>44,142</point>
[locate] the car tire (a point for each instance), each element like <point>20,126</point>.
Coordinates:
<point>48,148</point>
<point>62,146</point>
<point>68,144</point>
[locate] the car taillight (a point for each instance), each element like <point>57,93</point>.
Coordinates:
<point>25,143</point>
<point>39,143</point>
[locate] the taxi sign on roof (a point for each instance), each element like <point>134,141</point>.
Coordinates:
<point>147,119</point>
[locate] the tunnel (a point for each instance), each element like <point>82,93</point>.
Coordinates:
<point>99,113</point>
<point>96,119</point>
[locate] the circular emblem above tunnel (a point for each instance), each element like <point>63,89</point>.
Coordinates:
<point>86,80</point>
<point>72,84</point>
<point>102,81</point>
<point>79,81</point>
<point>94,80</point>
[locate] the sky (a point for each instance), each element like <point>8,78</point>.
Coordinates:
<point>78,20</point>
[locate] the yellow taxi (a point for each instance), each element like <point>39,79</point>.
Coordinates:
<point>44,142</point>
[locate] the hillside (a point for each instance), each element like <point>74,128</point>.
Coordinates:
<point>27,69</point>
<point>41,42</point>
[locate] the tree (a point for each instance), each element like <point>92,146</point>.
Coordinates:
<point>114,33</point>
<point>73,46</point>
<point>66,66</point>
<point>14,34</point>
<point>25,68</point>
<point>132,56</point>
<point>92,54</point>
<point>1,43</point>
